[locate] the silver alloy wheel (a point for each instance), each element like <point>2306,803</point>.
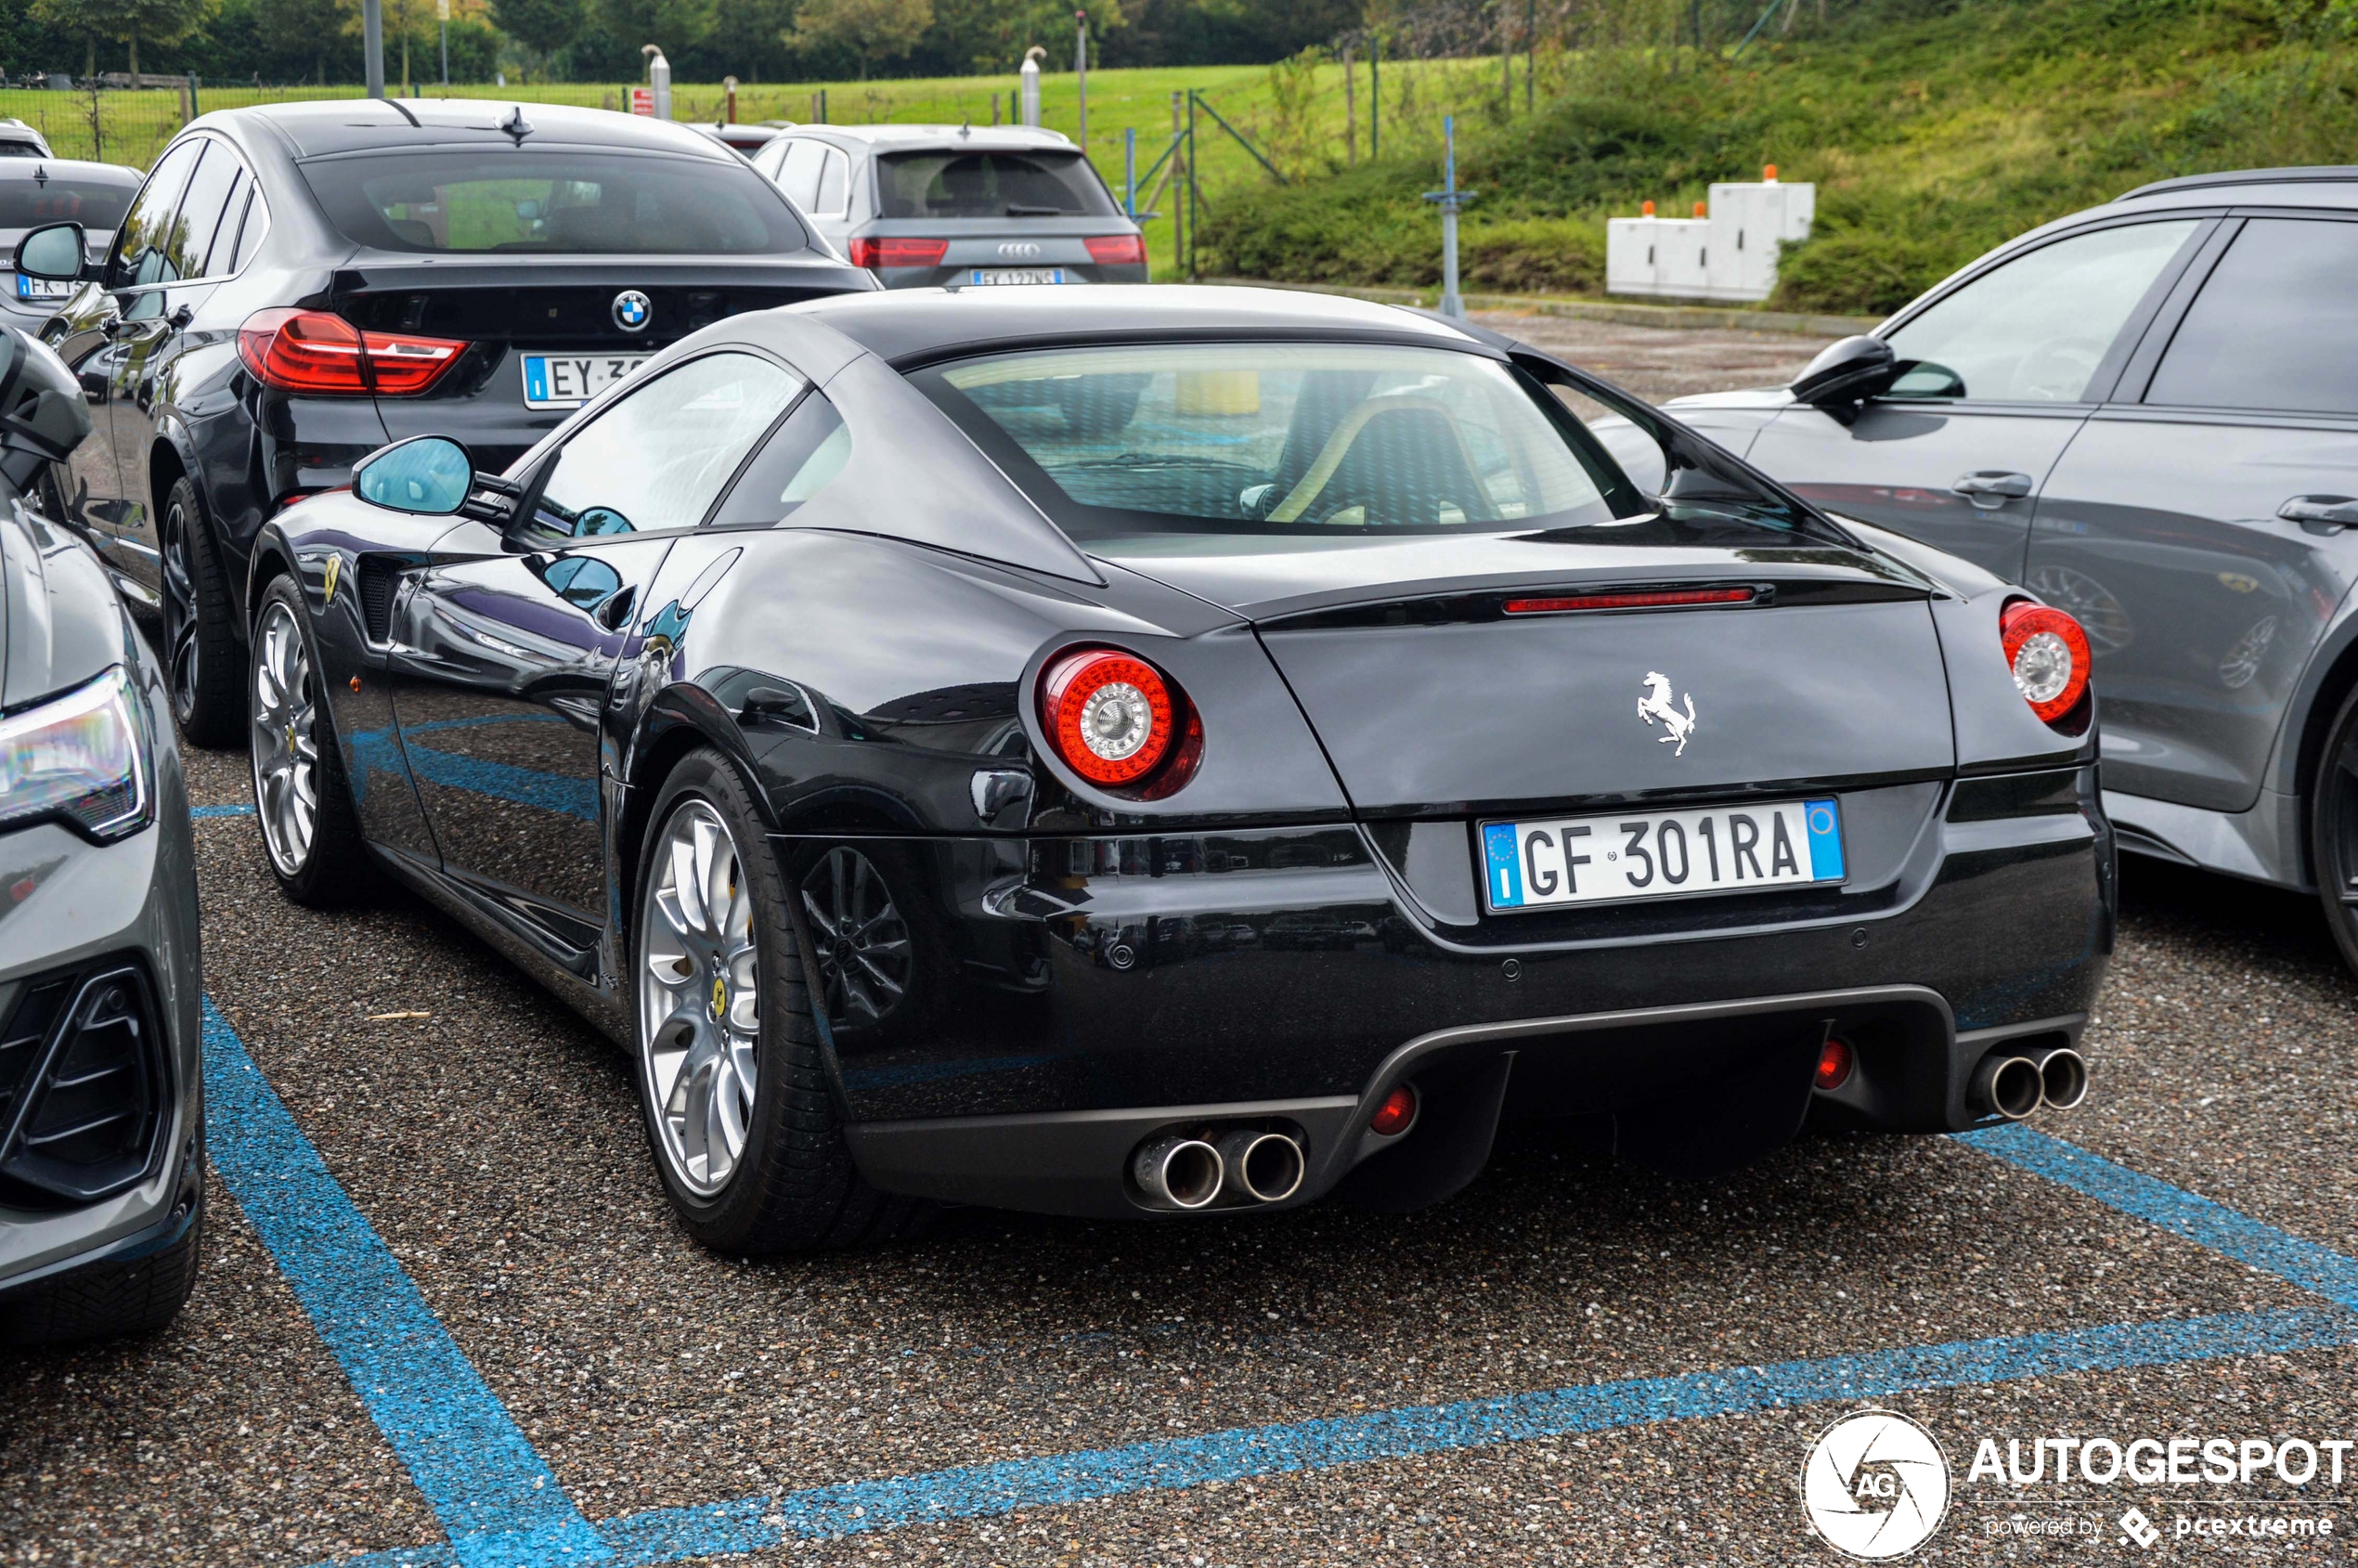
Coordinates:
<point>862,942</point>
<point>699,998</point>
<point>286,745</point>
<point>181,648</point>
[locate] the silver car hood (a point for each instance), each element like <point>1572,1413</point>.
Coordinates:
<point>60,623</point>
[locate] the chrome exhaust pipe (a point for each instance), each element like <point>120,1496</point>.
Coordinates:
<point>2063,1076</point>
<point>2006,1085</point>
<point>1177,1172</point>
<point>1268,1167</point>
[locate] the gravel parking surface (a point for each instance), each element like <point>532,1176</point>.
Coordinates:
<point>496,1147</point>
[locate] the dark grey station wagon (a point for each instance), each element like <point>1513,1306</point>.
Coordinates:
<point>2147,413</point>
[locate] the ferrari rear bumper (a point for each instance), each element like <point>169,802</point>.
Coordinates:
<point>1070,999</point>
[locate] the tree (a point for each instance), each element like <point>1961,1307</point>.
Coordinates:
<point>318,24</point>
<point>868,29</point>
<point>541,26</point>
<point>159,21</point>
<point>673,26</point>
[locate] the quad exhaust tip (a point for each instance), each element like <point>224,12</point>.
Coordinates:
<point>1267,1167</point>
<point>2015,1085</point>
<point>1177,1172</point>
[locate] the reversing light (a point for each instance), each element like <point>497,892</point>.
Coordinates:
<point>323,355</point>
<point>1633,599</point>
<point>1393,1117</point>
<point>1117,250</point>
<point>1111,716</point>
<point>1835,1062</point>
<point>2048,654</point>
<point>872,253</point>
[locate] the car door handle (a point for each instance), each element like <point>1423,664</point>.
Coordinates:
<point>2321,514</point>
<point>616,609</point>
<point>1990,489</point>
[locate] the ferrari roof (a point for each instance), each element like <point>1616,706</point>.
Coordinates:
<point>902,325</point>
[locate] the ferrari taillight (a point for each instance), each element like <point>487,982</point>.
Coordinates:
<point>2048,656</point>
<point>1117,250</point>
<point>1111,716</point>
<point>322,355</point>
<point>897,253</point>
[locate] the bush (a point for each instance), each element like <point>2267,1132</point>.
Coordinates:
<point>1863,272</point>
<point>1531,255</point>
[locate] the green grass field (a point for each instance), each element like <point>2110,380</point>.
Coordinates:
<point>1297,115</point>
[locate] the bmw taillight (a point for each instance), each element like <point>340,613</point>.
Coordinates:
<point>1114,719</point>
<point>2048,653</point>
<point>897,253</point>
<point>1117,250</point>
<point>323,355</point>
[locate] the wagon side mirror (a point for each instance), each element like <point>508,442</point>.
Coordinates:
<point>427,475</point>
<point>1847,374</point>
<point>55,254</point>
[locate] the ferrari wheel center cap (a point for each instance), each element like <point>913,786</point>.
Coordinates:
<point>720,998</point>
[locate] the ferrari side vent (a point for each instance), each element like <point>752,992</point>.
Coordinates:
<point>84,1122</point>
<point>378,574</point>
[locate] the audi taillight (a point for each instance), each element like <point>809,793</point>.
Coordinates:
<point>897,253</point>
<point>1115,721</point>
<point>1117,250</point>
<point>2049,656</point>
<point>311,351</point>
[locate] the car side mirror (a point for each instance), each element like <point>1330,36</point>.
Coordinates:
<point>55,254</point>
<point>427,475</point>
<point>1847,374</point>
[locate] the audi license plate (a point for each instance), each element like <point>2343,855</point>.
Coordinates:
<point>567,381</point>
<point>1017,275</point>
<point>40,288</point>
<point>1659,854</point>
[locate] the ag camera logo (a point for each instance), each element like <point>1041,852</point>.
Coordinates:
<point>1876,1486</point>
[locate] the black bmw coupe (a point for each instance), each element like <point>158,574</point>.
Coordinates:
<point>1192,749</point>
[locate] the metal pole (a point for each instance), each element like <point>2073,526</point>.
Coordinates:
<point>1130,171</point>
<point>1081,70</point>
<point>1530,62</point>
<point>372,44</point>
<point>442,26</point>
<point>1450,304</point>
<point>1195,219</point>
<point>1375,98</point>
<point>1178,209</point>
<point>194,108</point>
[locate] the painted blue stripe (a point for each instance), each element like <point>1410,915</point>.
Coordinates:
<point>202,811</point>
<point>2313,1268</point>
<point>496,1499</point>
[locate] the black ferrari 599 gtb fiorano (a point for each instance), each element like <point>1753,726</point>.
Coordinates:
<point>1151,751</point>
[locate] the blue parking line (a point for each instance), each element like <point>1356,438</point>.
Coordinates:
<point>497,1498</point>
<point>2305,1263</point>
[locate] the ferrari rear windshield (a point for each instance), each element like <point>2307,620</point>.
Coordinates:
<point>553,202</point>
<point>1279,438</point>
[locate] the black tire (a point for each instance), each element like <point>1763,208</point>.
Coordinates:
<point>201,654</point>
<point>108,1300</point>
<point>335,869</point>
<point>2333,829</point>
<point>793,1188</point>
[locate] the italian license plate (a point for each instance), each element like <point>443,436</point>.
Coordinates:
<point>1660,854</point>
<point>1017,275</point>
<point>567,381</point>
<point>40,288</point>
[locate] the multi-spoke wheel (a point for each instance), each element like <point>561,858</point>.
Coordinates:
<point>285,740</point>
<point>699,998</point>
<point>201,646</point>
<point>860,940</point>
<point>746,1134</point>
<point>300,798</point>
<point>2333,829</point>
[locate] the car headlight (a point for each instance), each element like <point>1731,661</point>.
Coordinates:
<point>81,759</point>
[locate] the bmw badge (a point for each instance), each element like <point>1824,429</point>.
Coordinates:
<point>632,310</point>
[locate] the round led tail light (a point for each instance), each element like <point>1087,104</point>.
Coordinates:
<point>2049,656</point>
<point>1110,715</point>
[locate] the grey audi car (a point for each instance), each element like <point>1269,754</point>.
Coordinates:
<point>2148,414</point>
<point>101,1146</point>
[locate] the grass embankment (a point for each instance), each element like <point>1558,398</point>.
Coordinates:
<point>1934,130</point>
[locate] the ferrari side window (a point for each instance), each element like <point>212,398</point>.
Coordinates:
<point>794,465</point>
<point>658,456</point>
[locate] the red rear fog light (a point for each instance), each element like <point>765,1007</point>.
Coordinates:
<point>1399,1108</point>
<point>1835,1062</point>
